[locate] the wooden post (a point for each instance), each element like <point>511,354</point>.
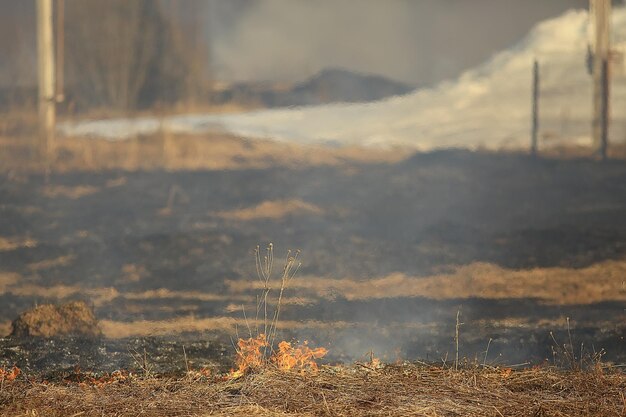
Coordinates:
<point>604,111</point>
<point>45,64</point>
<point>60,56</point>
<point>600,16</point>
<point>535,109</point>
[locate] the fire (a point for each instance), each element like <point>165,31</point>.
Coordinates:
<point>251,354</point>
<point>301,357</point>
<point>375,363</point>
<point>9,376</point>
<point>87,379</point>
<point>202,373</point>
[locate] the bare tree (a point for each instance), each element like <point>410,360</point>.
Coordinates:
<point>188,60</point>
<point>126,53</point>
<point>18,75</point>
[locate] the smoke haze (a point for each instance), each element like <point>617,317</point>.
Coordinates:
<point>420,42</point>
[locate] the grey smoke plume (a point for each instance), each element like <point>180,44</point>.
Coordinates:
<point>420,42</point>
<point>416,41</point>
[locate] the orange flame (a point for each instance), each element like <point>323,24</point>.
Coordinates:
<point>202,373</point>
<point>506,372</point>
<point>86,379</point>
<point>301,358</point>
<point>9,376</point>
<point>250,355</point>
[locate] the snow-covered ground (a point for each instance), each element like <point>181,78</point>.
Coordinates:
<point>488,106</point>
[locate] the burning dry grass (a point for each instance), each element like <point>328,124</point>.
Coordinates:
<point>398,390</point>
<point>9,375</point>
<point>560,286</point>
<point>287,381</point>
<point>251,356</point>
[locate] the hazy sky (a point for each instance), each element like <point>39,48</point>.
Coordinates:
<point>418,41</point>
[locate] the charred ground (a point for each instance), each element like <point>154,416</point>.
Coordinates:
<point>155,247</point>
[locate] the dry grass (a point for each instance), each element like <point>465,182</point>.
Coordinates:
<point>10,283</point>
<point>55,191</point>
<point>7,279</point>
<point>143,328</point>
<point>559,286</point>
<point>114,329</point>
<point>164,150</point>
<point>49,320</point>
<point>272,210</point>
<point>63,260</point>
<point>5,327</point>
<point>598,283</point>
<point>360,390</point>
<point>179,152</point>
<point>7,244</point>
<point>205,152</point>
<point>615,151</point>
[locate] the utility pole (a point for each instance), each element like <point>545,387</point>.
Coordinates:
<point>45,64</point>
<point>600,17</point>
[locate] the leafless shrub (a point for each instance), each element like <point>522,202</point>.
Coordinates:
<point>126,54</point>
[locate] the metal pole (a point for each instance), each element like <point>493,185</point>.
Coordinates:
<point>600,16</point>
<point>45,63</point>
<point>535,109</point>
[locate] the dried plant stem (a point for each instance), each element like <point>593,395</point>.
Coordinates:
<point>456,339</point>
<point>291,267</point>
<point>264,267</point>
<point>186,361</point>
<point>487,352</point>
<point>264,272</point>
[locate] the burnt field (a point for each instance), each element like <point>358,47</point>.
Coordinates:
<point>391,251</point>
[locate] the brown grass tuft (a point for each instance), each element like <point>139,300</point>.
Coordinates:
<point>48,320</point>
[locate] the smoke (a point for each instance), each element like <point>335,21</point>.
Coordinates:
<point>417,41</point>
<point>420,42</point>
<point>17,43</point>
